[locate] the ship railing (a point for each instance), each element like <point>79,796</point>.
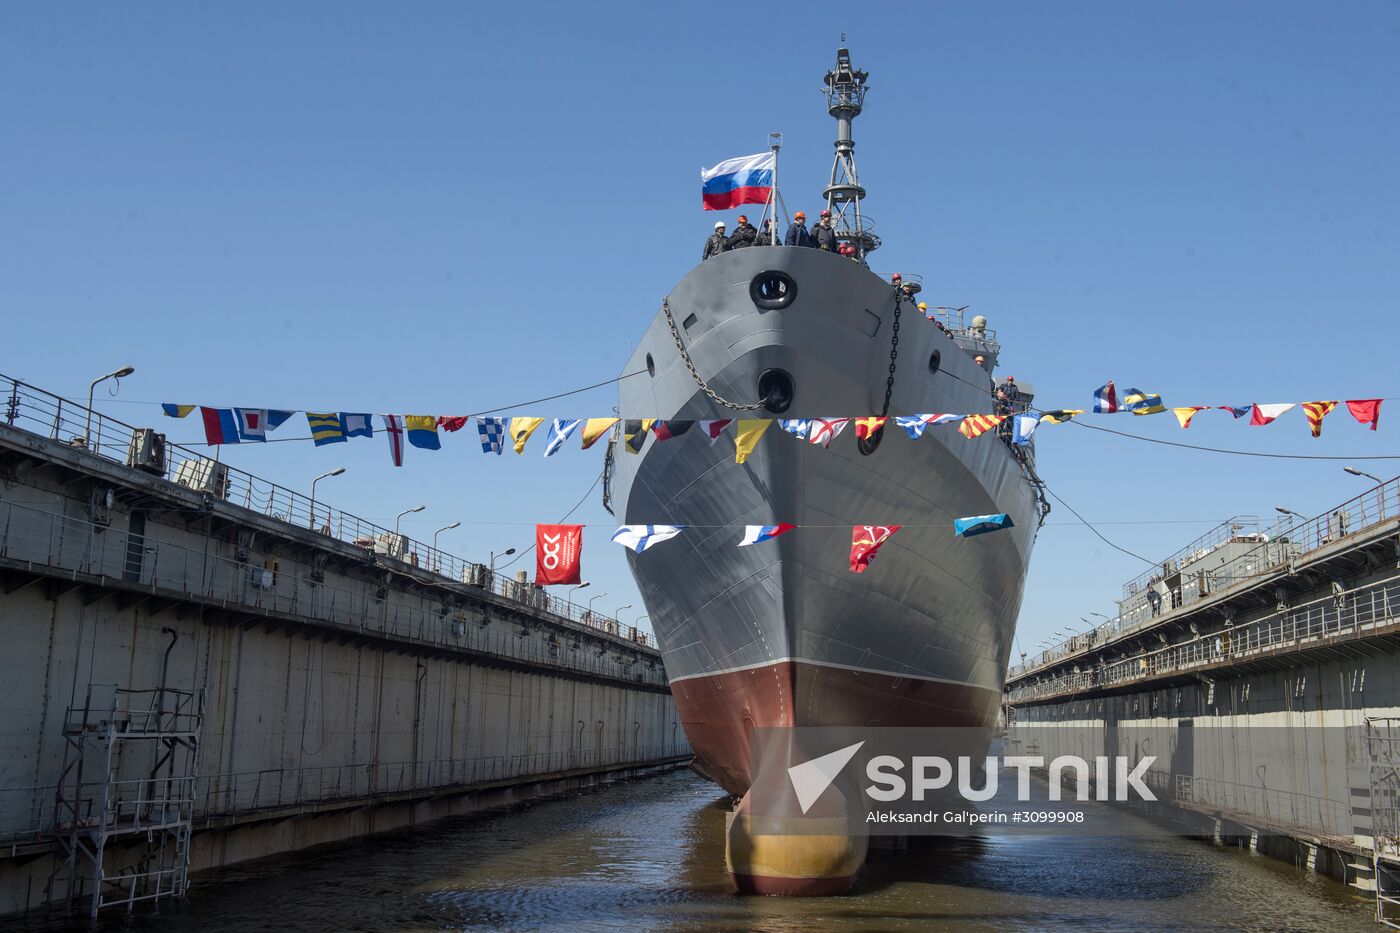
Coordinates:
<point>1344,614</point>
<point>43,413</point>
<point>148,563</point>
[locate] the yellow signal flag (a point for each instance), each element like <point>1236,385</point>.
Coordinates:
<point>634,433</point>
<point>1060,415</point>
<point>977,425</point>
<point>521,429</point>
<point>594,428</point>
<point>749,431</point>
<point>1315,412</point>
<point>1184,415</point>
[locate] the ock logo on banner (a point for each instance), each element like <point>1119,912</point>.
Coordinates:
<point>557,551</point>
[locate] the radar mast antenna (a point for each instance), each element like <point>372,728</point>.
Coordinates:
<point>845,95</point>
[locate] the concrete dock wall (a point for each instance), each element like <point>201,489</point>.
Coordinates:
<point>1270,698</point>
<point>344,691</point>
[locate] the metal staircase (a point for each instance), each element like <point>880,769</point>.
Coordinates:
<point>125,801</point>
<point>1383,741</point>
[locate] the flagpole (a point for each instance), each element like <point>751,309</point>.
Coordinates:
<point>775,142</point>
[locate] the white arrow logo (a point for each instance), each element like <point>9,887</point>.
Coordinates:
<point>811,778</point>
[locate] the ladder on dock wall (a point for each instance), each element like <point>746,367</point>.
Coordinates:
<point>128,783</point>
<point>1383,741</point>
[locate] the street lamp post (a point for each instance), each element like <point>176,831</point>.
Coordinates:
<point>592,601</point>
<point>506,553</point>
<point>399,540</point>
<point>92,388</point>
<point>570,593</point>
<point>1355,472</point>
<point>311,522</point>
<point>397,518</point>
<point>437,556</point>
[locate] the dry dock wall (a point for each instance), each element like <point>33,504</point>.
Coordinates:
<point>343,692</point>
<point>1270,698</point>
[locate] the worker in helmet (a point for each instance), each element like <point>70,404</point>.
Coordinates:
<point>798,234</point>
<point>824,234</point>
<point>744,234</point>
<point>717,243</point>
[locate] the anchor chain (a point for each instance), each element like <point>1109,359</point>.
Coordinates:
<point>715,396</point>
<point>894,354</point>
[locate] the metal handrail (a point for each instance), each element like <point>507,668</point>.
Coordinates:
<point>1294,544</point>
<point>27,813</point>
<point>39,412</point>
<point>1348,613</point>
<point>49,539</point>
<point>1310,812</point>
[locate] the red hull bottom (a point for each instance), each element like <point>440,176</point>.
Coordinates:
<point>719,711</point>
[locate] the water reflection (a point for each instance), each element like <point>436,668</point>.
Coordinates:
<point>649,855</point>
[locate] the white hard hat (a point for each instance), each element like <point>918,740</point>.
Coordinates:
<point>719,225</point>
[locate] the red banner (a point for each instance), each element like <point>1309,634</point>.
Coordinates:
<point>557,552</point>
<point>865,541</point>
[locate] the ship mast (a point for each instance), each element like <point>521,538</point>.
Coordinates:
<point>845,94</point>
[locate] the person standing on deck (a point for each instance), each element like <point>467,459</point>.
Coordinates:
<point>717,243</point>
<point>798,234</point>
<point>744,234</point>
<point>824,234</point>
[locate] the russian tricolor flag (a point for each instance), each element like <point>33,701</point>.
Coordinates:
<point>745,180</point>
<point>757,534</point>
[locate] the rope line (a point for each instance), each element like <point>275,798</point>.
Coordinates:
<point>1238,453</point>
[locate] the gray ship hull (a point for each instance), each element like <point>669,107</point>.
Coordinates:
<point>783,633</point>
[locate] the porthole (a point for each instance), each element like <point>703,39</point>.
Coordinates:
<point>776,388</point>
<point>772,290</point>
<point>651,365</point>
<point>935,359</point>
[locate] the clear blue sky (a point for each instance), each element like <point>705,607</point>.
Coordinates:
<point>442,208</point>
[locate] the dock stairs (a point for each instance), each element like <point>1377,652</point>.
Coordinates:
<point>124,808</point>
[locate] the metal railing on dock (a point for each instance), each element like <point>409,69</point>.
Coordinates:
<point>28,813</point>
<point>1270,553</point>
<point>1347,613</point>
<point>143,561</point>
<point>42,413</point>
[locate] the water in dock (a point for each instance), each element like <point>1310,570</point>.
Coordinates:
<point>648,854</point>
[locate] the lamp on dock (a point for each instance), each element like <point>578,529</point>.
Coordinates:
<point>570,594</point>
<point>618,614</point>
<point>593,600</point>
<point>416,508</point>
<point>92,388</point>
<point>506,553</point>
<point>1355,472</point>
<point>1281,510</point>
<point>436,559</point>
<point>311,522</point>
